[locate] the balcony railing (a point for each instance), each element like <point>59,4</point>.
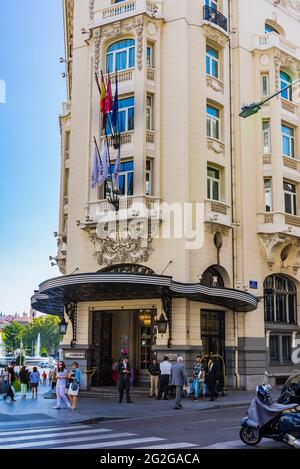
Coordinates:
<point>128,8</point>
<point>214,16</point>
<point>130,207</point>
<point>268,40</point>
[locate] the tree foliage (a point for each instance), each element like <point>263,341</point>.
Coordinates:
<point>46,326</point>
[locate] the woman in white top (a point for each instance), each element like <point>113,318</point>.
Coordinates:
<point>61,384</point>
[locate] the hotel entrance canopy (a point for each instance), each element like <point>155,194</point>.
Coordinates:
<point>54,294</point>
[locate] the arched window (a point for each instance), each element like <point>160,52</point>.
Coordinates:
<point>120,55</point>
<point>285,80</point>
<point>280,296</point>
<point>270,29</point>
<point>212,278</point>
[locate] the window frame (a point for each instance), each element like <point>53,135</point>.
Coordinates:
<point>211,60</point>
<point>268,194</point>
<point>293,197</point>
<point>118,51</point>
<point>266,133</point>
<point>290,136</point>
<point>122,110</point>
<point>213,121</point>
<point>151,63</point>
<point>279,292</point>
<point>125,174</point>
<point>150,116</point>
<point>212,183</point>
<point>287,95</point>
<point>149,177</point>
<point>265,90</point>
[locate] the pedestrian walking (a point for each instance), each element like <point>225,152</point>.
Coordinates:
<point>154,372</point>
<point>11,380</point>
<point>213,375</point>
<point>62,377</point>
<point>178,378</point>
<point>53,378</point>
<point>44,378</point>
<point>34,379</point>
<point>196,373</point>
<point>75,378</point>
<point>24,380</point>
<point>5,380</point>
<point>124,380</point>
<point>165,371</point>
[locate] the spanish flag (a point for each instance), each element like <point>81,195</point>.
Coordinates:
<point>102,94</point>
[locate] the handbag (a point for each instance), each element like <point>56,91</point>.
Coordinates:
<point>74,386</point>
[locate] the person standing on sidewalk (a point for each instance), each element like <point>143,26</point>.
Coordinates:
<point>196,373</point>
<point>213,375</point>
<point>62,379</point>
<point>34,382</point>
<point>154,372</point>
<point>124,380</point>
<point>75,378</point>
<point>24,379</point>
<point>11,380</point>
<point>178,378</point>
<point>165,371</point>
<point>5,380</point>
<point>53,378</point>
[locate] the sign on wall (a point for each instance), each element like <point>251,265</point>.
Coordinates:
<point>78,355</point>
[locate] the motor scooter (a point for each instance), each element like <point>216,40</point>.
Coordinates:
<point>269,419</point>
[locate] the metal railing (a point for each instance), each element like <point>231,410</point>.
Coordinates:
<point>214,16</point>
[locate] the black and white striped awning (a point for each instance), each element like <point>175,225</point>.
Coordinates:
<point>102,286</point>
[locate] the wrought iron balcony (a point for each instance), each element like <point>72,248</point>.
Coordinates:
<point>214,16</point>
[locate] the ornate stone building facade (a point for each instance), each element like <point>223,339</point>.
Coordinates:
<point>184,69</point>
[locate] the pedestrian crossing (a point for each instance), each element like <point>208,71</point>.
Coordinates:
<point>79,436</point>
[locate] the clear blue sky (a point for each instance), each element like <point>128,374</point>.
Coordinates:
<point>31,42</point>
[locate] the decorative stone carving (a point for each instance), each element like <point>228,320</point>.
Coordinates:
<point>216,146</point>
<point>92,3</point>
<point>117,28</point>
<point>273,241</point>
<point>264,59</point>
<point>139,26</point>
<point>97,40</point>
<point>152,29</point>
<point>215,35</point>
<point>284,60</point>
<point>215,84</point>
<point>214,228</point>
<point>124,244</point>
<point>294,5</point>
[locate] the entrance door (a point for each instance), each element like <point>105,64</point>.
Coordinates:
<point>145,347</point>
<point>213,332</point>
<point>102,344</point>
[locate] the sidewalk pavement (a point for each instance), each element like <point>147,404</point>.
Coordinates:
<point>100,409</point>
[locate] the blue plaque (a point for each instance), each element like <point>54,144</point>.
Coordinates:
<point>253,284</point>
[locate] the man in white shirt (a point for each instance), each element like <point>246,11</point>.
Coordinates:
<point>165,371</point>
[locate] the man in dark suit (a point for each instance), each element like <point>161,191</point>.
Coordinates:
<point>124,380</point>
<point>178,378</point>
<point>213,376</point>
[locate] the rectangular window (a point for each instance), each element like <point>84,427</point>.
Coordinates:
<point>213,184</point>
<point>149,175</point>
<point>286,348</point>
<point>125,116</point>
<point>150,56</point>
<point>149,113</point>
<point>266,137</point>
<point>212,4</point>
<point>212,62</point>
<point>268,195</point>
<point>213,122</point>
<point>288,141</point>
<point>125,178</point>
<point>290,200</point>
<point>265,85</point>
<point>274,348</point>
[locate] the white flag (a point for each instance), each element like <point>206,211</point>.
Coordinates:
<point>103,174</point>
<point>96,168</point>
<point>117,169</point>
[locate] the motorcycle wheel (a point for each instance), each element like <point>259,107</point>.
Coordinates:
<point>250,436</point>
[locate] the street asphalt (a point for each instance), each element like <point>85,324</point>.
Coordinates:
<point>147,423</point>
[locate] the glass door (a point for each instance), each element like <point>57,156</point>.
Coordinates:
<point>213,332</point>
